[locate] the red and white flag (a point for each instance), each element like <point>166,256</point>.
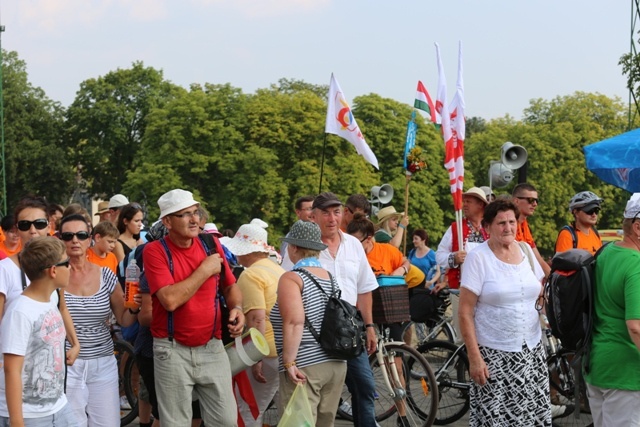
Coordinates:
<point>340,121</point>
<point>425,103</point>
<point>454,145</point>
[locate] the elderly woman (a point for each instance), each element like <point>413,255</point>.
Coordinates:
<point>391,226</point>
<point>501,281</point>
<point>92,296</point>
<point>613,377</point>
<point>129,225</point>
<point>259,284</point>
<point>301,359</point>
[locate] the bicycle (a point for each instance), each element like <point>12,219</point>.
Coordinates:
<point>451,366</point>
<point>437,327</point>
<point>128,377</point>
<point>562,382</point>
<point>410,387</point>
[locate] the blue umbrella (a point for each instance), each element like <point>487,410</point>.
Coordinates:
<point>617,160</point>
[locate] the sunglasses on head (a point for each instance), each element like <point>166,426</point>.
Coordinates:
<point>67,236</point>
<point>592,211</point>
<point>39,224</point>
<point>531,200</point>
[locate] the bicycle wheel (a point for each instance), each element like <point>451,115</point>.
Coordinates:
<point>452,374</point>
<point>562,382</point>
<point>128,380</point>
<point>345,409</point>
<point>270,416</point>
<point>416,396</point>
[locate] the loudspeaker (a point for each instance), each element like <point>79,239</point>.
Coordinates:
<point>381,194</point>
<point>499,175</point>
<point>513,156</point>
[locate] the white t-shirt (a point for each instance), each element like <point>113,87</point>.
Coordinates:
<point>350,268</point>
<point>505,314</point>
<point>36,331</point>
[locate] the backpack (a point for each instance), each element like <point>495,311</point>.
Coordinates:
<point>569,297</point>
<point>342,333</point>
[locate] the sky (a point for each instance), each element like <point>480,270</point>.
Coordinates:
<point>513,50</point>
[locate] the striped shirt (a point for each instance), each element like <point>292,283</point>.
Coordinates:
<point>91,315</point>
<point>314,303</point>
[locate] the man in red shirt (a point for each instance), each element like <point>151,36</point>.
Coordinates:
<point>186,326</point>
<point>525,197</point>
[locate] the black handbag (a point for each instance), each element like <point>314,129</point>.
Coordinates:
<point>342,333</point>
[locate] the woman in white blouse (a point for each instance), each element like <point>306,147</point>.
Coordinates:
<point>501,281</point>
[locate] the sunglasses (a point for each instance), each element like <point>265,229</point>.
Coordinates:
<point>64,263</point>
<point>39,224</point>
<point>531,200</point>
<point>592,211</point>
<point>67,236</point>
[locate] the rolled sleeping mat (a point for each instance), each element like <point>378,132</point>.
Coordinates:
<point>246,350</point>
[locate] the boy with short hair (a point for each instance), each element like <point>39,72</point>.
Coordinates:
<point>33,341</point>
<point>105,235</point>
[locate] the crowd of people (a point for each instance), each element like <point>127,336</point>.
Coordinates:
<point>62,291</point>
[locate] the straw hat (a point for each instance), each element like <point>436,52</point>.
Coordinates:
<point>102,208</point>
<point>388,212</point>
<point>477,193</point>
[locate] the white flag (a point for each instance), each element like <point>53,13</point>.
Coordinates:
<point>340,121</point>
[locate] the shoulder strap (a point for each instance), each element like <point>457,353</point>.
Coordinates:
<point>527,252</point>
<point>574,236</point>
<point>308,275</point>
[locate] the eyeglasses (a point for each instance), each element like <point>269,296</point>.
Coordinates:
<point>67,236</point>
<point>635,217</point>
<point>187,215</point>
<point>347,208</point>
<point>64,263</point>
<point>592,211</point>
<point>531,200</point>
<point>39,224</point>
<point>363,239</point>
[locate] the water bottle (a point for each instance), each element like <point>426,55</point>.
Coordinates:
<point>131,284</point>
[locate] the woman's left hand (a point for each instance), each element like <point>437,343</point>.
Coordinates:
<point>438,287</point>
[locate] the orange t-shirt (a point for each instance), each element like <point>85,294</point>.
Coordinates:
<point>384,258</point>
<point>9,252</point>
<point>589,242</point>
<point>109,261</point>
<point>524,234</point>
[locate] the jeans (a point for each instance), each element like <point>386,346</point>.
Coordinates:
<point>362,388</point>
<point>63,418</point>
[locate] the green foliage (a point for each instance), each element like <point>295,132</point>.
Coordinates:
<point>107,121</point>
<point>251,155</point>
<point>34,161</point>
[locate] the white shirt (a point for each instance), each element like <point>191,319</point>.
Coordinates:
<point>505,314</point>
<point>350,268</point>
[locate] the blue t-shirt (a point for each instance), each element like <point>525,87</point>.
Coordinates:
<point>427,263</point>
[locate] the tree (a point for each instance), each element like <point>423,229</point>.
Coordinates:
<point>107,122</point>
<point>34,160</point>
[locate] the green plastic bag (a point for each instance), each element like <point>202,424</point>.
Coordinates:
<point>298,411</point>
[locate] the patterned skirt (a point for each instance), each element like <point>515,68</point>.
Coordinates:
<point>517,393</point>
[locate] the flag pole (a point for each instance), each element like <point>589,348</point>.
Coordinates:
<point>406,210</point>
<point>324,146</point>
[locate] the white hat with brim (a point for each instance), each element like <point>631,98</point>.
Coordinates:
<point>174,201</point>
<point>388,212</point>
<point>118,201</point>
<point>477,193</point>
<point>250,238</point>
<point>633,207</point>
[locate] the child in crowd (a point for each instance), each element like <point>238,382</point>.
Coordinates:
<point>33,341</point>
<point>105,235</point>
<point>11,244</point>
